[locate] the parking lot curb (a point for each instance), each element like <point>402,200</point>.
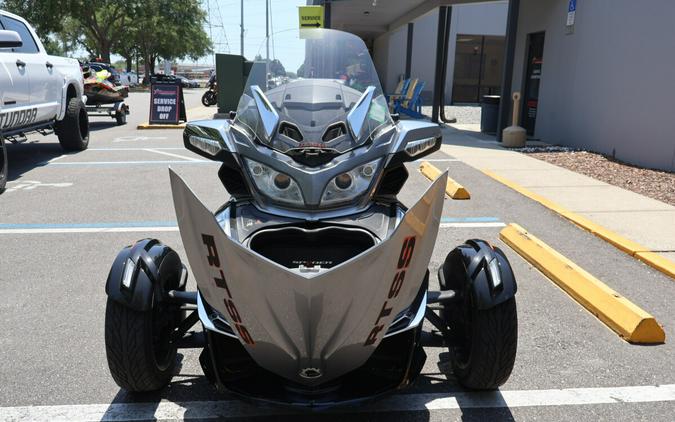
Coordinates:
<point>628,246</point>
<point>628,320</point>
<point>655,260</point>
<point>160,126</point>
<point>453,189</point>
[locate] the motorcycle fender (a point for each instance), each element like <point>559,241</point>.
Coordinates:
<point>494,284</point>
<point>309,326</point>
<point>134,273</point>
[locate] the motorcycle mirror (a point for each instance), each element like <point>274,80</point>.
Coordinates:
<point>395,117</point>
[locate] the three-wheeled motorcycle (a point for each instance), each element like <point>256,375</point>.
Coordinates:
<point>313,285</point>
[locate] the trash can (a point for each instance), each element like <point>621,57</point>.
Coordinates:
<point>489,113</point>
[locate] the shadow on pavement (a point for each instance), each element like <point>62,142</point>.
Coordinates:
<point>102,122</point>
<point>24,157</point>
<point>201,401</point>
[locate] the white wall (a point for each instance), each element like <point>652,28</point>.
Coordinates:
<point>608,86</point>
<point>473,19</point>
<point>389,57</point>
<point>424,52</point>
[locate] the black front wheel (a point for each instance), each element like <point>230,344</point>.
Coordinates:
<point>209,98</point>
<point>73,130</point>
<point>4,170</point>
<point>139,348</point>
<point>484,339</point>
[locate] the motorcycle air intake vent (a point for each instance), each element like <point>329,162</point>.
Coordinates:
<point>325,247</point>
<point>291,131</point>
<point>334,131</point>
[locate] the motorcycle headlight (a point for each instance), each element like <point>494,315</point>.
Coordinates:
<point>208,145</point>
<point>347,186</point>
<point>277,186</point>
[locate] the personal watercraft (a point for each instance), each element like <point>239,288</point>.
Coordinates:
<point>312,279</point>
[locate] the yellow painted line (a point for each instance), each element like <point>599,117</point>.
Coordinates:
<point>628,246</point>
<point>453,189</point>
<point>628,320</point>
<point>147,125</point>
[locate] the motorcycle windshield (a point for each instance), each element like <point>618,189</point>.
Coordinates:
<point>316,88</point>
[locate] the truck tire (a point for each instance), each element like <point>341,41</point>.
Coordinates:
<point>3,165</point>
<point>73,130</point>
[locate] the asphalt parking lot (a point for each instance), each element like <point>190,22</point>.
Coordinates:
<point>65,216</point>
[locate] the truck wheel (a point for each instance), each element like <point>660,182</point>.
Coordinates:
<point>484,341</point>
<point>140,354</point>
<point>3,165</point>
<point>73,130</point>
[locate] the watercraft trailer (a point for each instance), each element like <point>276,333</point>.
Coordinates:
<point>117,111</point>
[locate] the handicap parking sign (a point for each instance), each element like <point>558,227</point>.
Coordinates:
<point>571,11</point>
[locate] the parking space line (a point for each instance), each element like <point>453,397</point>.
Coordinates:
<point>471,225</point>
<point>129,163</point>
<point>171,226</point>
<point>172,154</point>
<point>166,410</point>
<point>140,226</point>
<point>453,189</point>
<point>628,320</point>
<point>135,149</point>
<point>438,160</point>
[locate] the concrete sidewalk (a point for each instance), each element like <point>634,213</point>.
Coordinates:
<point>646,221</point>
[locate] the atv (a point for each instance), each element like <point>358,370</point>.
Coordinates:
<point>312,279</point>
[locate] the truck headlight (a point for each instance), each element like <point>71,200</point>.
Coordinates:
<point>279,187</point>
<point>347,186</point>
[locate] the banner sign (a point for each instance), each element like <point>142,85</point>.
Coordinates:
<point>167,105</point>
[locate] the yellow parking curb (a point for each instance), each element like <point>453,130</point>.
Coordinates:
<point>628,320</point>
<point>453,189</point>
<point>147,125</point>
<point>628,246</point>
<point>658,262</point>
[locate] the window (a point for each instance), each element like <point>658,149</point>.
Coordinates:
<point>478,67</point>
<point>29,45</point>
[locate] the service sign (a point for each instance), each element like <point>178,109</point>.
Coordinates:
<point>311,17</point>
<point>165,103</point>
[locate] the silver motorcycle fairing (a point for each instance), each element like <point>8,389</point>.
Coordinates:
<point>309,326</point>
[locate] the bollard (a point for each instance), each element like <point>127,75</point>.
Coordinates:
<point>514,136</point>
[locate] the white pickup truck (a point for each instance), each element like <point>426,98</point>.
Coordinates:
<point>39,93</point>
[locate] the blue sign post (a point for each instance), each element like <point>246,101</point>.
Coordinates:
<point>571,11</point>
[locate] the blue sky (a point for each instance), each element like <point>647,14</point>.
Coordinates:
<point>225,19</point>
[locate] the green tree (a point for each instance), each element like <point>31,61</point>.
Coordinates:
<point>170,29</point>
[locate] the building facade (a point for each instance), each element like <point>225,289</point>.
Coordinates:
<point>594,74</point>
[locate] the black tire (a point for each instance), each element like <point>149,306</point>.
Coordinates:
<point>73,130</point>
<point>485,341</point>
<point>208,99</point>
<point>121,118</point>
<point>4,169</point>
<point>140,356</point>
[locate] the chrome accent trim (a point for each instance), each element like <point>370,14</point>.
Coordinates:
<point>357,115</point>
<point>268,115</point>
<point>419,316</point>
<point>207,321</point>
